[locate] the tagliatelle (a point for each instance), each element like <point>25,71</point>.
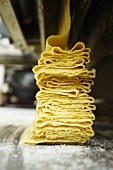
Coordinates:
<point>64,112</point>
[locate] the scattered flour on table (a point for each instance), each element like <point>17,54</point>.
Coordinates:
<point>96,156</point>
<point>61,157</point>
<point>56,157</point>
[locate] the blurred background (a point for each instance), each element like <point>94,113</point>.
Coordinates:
<point>24,27</point>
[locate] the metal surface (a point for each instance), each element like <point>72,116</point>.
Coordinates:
<point>9,18</point>
<point>25,59</point>
<point>13,155</point>
<point>41,23</point>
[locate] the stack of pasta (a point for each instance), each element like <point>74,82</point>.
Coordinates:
<point>64,108</point>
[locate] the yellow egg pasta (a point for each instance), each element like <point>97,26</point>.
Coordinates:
<point>64,111</point>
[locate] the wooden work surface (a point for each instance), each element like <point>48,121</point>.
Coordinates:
<point>14,156</point>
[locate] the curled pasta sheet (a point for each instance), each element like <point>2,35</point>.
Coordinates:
<point>64,111</point>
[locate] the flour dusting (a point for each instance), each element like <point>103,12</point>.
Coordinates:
<point>14,156</point>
